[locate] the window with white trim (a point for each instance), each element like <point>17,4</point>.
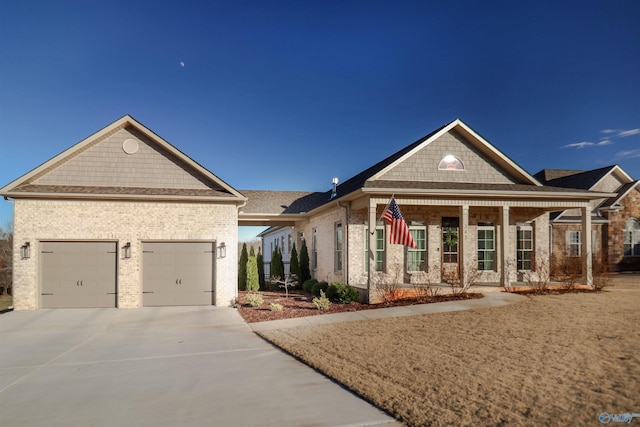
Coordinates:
<point>416,257</point>
<point>337,257</point>
<point>524,247</point>
<point>631,243</point>
<point>574,243</point>
<point>379,253</point>
<point>486,246</point>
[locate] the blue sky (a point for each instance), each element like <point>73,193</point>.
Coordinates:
<point>288,94</point>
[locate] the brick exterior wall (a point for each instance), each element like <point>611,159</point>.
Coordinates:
<point>609,237</point>
<point>395,262</point>
<point>121,222</point>
<point>614,233</point>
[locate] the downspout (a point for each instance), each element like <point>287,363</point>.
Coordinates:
<point>345,238</point>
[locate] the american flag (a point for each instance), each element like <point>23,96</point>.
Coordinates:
<point>400,234</point>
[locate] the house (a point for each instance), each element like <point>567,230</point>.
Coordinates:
<point>123,219</point>
<point>470,209</point>
<point>282,238</point>
<point>615,230</point>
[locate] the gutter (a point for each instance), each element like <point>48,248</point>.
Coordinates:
<point>479,193</point>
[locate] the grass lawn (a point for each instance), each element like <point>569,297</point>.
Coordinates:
<point>550,360</point>
<point>5,301</point>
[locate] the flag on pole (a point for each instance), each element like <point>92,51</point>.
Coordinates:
<point>400,234</point>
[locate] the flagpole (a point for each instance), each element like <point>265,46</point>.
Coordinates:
<point>393,196</point>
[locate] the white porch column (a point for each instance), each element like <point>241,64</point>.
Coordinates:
<point>464,244</point>
<point>587,273</point>
<point>505,249</point>
<point>371,235</point>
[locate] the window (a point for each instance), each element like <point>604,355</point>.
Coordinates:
<point>337,258</point>
<point>314,249</point>
<point>632,237</point>
<point>379,251</point>
<point>524,250</point>
<point>416,257</point>
<point>289,243</point>
<point>574,243</point>
<point>486,246</point>
<point>450,240</point>
<point>450,163</point>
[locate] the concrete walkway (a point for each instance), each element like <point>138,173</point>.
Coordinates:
<point>490,299</point>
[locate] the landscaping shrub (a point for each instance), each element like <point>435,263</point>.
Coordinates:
<point>275,307</point>
<point>342,293</point>
<point>254,299</point>
<point>322,303</point>
<point>319,286</point>
<point>307,286</point>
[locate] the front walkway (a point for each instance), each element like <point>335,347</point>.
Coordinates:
<point>490,299</point>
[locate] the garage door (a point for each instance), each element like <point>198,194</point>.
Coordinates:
<point>177,273</point>
<point>78,274</point>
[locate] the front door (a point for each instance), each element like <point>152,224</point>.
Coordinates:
<point>450,228</point>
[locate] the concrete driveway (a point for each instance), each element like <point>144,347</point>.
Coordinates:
<point>191,366</point>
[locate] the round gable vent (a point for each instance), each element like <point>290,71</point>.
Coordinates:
<point>130,146</point>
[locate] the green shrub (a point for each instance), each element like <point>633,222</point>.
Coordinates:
<point>254,299</point>
<point>320,286</point>
<point>253,282</point>
<point>323,302</point>
<point>275,307</point>
<point>308,285</point>
<point>342,293</point>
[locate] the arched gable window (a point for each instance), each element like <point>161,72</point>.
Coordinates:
<point>450,163</point>
<point>632,237</point>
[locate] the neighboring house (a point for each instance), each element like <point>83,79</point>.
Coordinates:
<point>615,220</point>
<point>282,238</point>
<point>123,219</point>
<point>469,208</point>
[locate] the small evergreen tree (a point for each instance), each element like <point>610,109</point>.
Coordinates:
<point>242,268</point>
<point>260,262</point>
<point>305,272</point>
<point>294,266</point>
<point>252,273</point>
<point>252,252</point>
<point>277,267</point>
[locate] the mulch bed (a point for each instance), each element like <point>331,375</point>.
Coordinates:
<point>300,304</point>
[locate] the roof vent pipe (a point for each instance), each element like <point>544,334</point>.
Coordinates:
<point>334,191</point>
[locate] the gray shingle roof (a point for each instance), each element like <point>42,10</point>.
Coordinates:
<point>580,179</point>
<point>282,202</point>
<point>129,191</point>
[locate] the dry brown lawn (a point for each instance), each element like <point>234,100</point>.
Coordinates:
<point>550,360</point>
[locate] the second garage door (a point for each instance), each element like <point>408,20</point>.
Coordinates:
<point>178,273</point>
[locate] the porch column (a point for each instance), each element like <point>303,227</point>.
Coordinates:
<point>587,274</point>
<point>505,248</point>
<point>464,244</point>
<point>371,235</point>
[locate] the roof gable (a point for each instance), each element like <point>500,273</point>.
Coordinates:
<point>124,158</point>
<point>483,162</point>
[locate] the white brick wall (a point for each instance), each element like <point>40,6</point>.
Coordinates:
<point>122,222</point>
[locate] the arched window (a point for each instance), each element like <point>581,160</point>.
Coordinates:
<point>450,163</point>
<point>632,237</point>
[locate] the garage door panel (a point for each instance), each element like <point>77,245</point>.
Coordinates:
<point>78,274</point>
<point>178,273</point>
